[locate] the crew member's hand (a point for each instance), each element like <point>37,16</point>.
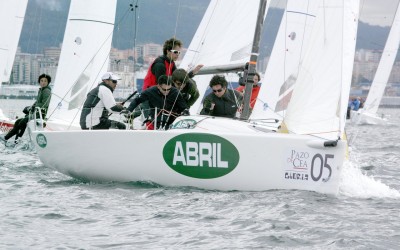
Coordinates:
<point>197,69</point>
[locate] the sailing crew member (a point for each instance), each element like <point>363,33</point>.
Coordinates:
<point>165,99</point>
<point>222,101</point>
<point>255,90</point>
<point>42,102</point>
<point>355,104</point>
<point>99,102</point>
<point>165,64</point>
<point>186,86</point>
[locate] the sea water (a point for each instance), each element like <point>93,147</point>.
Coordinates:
<point>43,209</point>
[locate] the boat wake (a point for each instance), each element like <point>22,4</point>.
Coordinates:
<point>354,183</point>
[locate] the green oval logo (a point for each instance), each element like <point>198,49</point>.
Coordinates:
<point>41,140</point>
<point>202,156</point>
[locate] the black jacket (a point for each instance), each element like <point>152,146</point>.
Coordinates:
<point>172,102</point>
<point>226,106</point>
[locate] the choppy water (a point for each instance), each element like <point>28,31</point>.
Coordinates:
<point>43,209</point>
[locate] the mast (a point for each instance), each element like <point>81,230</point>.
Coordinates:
<point>251,70</point>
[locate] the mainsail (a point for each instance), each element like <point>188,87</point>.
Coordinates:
<point>84,56</point>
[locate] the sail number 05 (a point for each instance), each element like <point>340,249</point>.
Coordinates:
<point>321,162</point>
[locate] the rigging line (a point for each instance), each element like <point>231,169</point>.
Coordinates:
<point>135,32</point>
<point>175,31</point>
<point>59,30</point>
<point>91,59</point>
<point>307,16</point>
<point>285,54</point>
<point>234,93</point>
<point>31,30</point>
<point>177,17</point>
<point>38,33</point>
<point>342,122</point>
<point>196,52</point>
<point>179,90</point>
<point>170,59</point>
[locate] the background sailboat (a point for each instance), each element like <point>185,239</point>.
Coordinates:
<point>12,15</point>
<point>369,113</point>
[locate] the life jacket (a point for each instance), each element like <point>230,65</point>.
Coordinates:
<point>91,101</point>
<point>150,79</point>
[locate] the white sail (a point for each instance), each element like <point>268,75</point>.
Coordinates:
<point>232,21</point>
<point>382,74</point>
<point>12,15</point>
<point>84,57</point>
<point>319,99</point>
<point>283,65</point>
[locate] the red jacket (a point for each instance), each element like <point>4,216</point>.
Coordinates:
<point>254,94</point>
<point>161,66</point>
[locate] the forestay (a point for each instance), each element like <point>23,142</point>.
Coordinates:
<point>84,57</point>
<point>234,19</point>
<point>319,101</point>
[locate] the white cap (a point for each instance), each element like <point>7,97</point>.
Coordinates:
<point>110,76</point>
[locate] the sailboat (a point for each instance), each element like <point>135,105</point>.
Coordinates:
<point>234,154</point>
<point>12,14</point>
<point>369,113</point>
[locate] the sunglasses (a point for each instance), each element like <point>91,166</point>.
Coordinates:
<point>114,81</point>
<point>178,83</point>
<point>166,90</point>
<point>218,90</point>
<point>177,52</point>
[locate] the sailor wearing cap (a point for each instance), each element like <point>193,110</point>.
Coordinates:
<point>99,102</point>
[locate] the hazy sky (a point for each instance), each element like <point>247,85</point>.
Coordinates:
<point>374,12</point>
<point>378,12</point>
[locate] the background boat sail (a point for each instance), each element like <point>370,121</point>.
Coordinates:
<point>369,113</point>
<point>226,154</point>
<point>12,14</point>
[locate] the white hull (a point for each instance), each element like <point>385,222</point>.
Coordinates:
<point>364,118</point>
<point>247,161</point>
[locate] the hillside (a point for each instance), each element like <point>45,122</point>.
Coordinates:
<point>45,24</point>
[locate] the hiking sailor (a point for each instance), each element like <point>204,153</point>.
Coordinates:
<point>42,102</point>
